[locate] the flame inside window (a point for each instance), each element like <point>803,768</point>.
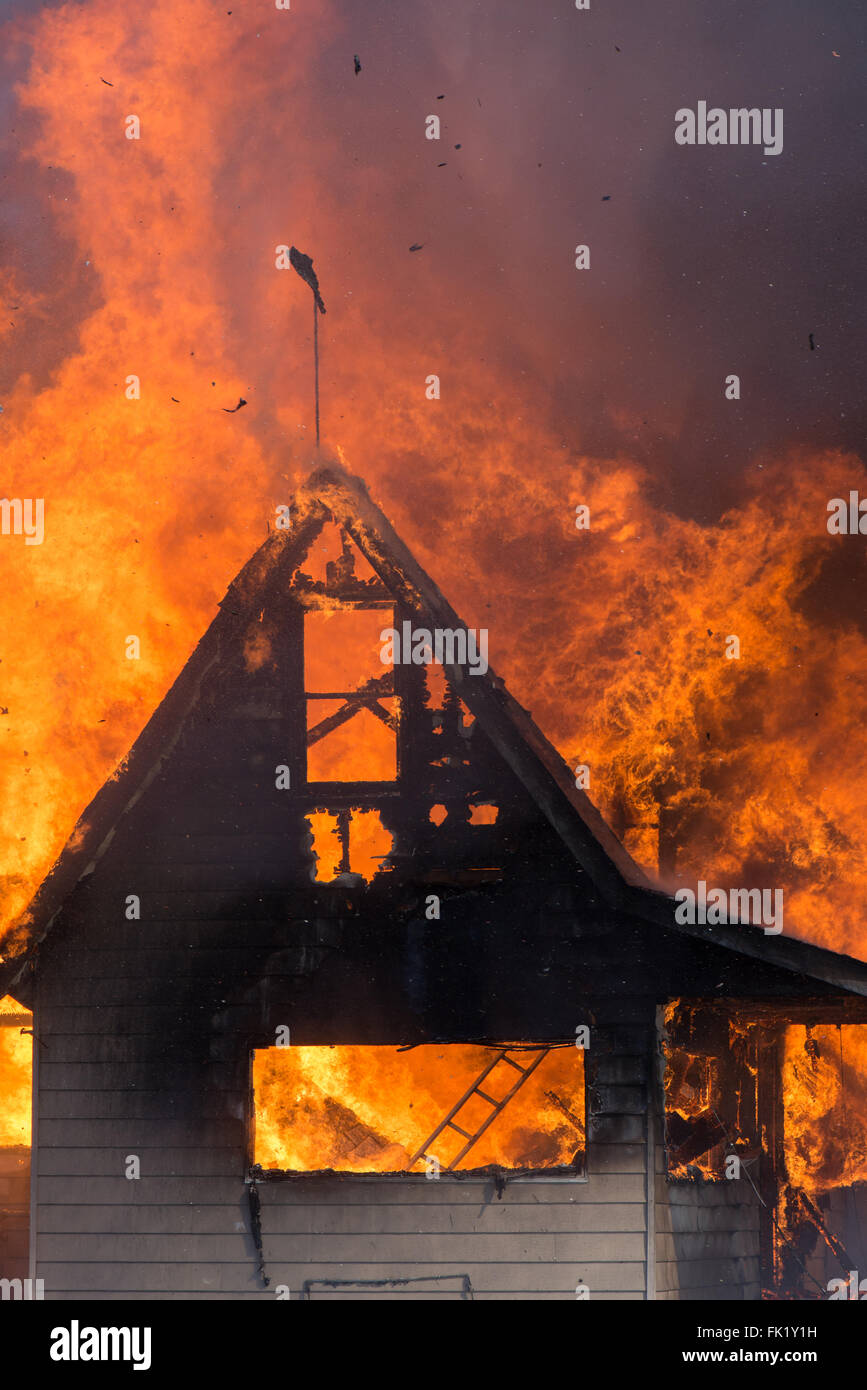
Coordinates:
<point>352,715</point>
<point>711,1098</point>
<point>825,1091</point>
<point>348,842</point>
<point>342,648</point>
<point>16,1074</point>
<point>349,743</point>
<point>16,1088</point>
<point>372,1109</point>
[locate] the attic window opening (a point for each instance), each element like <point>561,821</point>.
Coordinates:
<point>348,842</point>
<point>352,712</point>
<point>334,556</point>
<point>348,741</point>
<point>453,1107</point>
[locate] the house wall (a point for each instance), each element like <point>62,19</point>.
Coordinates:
<point>148,1025</point>
<point>14,1212</point>
<point>132,1067</point>
<point>707,1241</point>
<point>147,1028</point>
<point>140,1058</point>
<point>708,1234</point>
<point>537,1240</point>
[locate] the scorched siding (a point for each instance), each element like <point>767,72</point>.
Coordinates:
<point>132,1075</point>
<point>539,1239</point>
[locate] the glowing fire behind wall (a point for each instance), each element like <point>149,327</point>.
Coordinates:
<point>368,1109</point>
<point>825,1091</point>
<point>16,1085</point>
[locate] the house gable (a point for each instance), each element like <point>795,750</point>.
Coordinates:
<point>255,698</point>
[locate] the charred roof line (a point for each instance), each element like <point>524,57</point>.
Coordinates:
<point>332,492</point>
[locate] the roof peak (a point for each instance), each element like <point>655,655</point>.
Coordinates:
<point>332,492</point>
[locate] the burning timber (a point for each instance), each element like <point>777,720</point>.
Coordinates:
<point>342,948</point>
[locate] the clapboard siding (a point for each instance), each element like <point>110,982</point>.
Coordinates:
<point>85,1160</point>
<point>141,1136</point>
<point>300,1219</point>
<point>708,1240</point>
<point>336,1250</point>
<point>628,1128</point>
<point>547,1242</point>
<point>135,1278</point>
<point>425,1293</point>
<point>14,1212</point>
<point>74,1193</point>
<point>129,1076</point>
<point>126,1073</point>
<point>151,1190</point>
<point>133,1104</point>
<point>699,1245</point>
<point>146,1034</point>
<point>184,1228</point>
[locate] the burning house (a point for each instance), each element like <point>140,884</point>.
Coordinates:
<point>342,988</point>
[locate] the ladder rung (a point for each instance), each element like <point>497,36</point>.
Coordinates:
<point>451,1125</point>
<point>489,1099</point>
<point>513,1064</point>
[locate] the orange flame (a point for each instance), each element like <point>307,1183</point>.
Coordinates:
<point>616,635</point>
<point>825,1088</point>
<point>368,1109</point>
<point>16,1062</point>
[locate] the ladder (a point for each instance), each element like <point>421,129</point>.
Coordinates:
<point>497,1106</point>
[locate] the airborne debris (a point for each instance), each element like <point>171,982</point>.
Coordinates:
<point>234,407</point>
<point>812,344</point>
<point>108,84</point>
<point>606,197</point>
<point>357,64</point>
<point>175,399</point>
<point>417,246</point>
